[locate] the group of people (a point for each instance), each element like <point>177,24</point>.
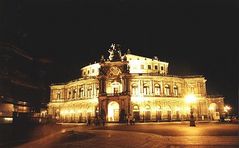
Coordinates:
<point>130,120</point>
<point>101,121</point>
<point>97,121</point>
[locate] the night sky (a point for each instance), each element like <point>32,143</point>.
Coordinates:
<point>196,37</point>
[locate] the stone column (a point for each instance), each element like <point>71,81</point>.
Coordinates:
<point>153,87</point>
<point>141,86</point>
<point>84,91</point>
<point>127,85</point>
<point>171,89</point>
<point>163,85</point>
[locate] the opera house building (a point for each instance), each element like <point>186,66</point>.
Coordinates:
<point>128,84</point>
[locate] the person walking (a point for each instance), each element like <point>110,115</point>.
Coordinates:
<point>128,119</point>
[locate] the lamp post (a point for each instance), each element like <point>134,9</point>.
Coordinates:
<point>227,110</point>
<point>190,99</point>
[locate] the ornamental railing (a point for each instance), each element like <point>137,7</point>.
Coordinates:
<point>114,94</point>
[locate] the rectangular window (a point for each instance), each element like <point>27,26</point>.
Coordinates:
<point>155,67</point>
<point>161,67</point>
<point>142,66</point>
<point>93,70</point>
<point>149,66</point>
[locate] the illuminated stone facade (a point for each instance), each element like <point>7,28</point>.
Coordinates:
<point>131,85</point>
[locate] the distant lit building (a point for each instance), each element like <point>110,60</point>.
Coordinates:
<point>10,109</point>
<point>131,84</point>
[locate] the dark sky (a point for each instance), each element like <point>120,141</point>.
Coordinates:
<point>196,37</point>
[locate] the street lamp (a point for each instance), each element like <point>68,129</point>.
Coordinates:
<point>227,110</point>
<point>190,99</point>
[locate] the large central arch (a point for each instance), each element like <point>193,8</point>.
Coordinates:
<point>113,111</point>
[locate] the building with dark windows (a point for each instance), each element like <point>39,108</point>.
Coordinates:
<point>128,84</point>
<point>22,81</point>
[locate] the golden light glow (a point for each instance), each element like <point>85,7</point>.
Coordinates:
<point>140,87</point>
<point>191,98</point>
<point>137,99</point>
<point>113,111</point>
<point>177,108</point>
<point>227,108</point>
<point>211,108</point>
<point>8,119</point>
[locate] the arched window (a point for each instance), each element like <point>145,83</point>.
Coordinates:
<point>89,91</point>
<point>157,89</point>
<point>81,94</point>
<point>58,95</point>
<point>116,87</point>
<point>175,90</point>
<point>167,90</point>
<point>147,108</point>
<point>146,89</point>
<point>134,89</point>
<point>74,93</point>
<point>192,89</point>
<point>136,108</point>
<point>97,91</point>
<point>69,93</point>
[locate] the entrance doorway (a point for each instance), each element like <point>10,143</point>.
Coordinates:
<point>158,115</point>
<point>113,111</point>
<point>136,114</point>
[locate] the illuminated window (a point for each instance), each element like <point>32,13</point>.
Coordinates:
<point>146,89</point>
<point>167,90</point>
<point>136,108</point>
<point>74,94</point>
<point>81,94</point>
<point>116,90</point>
<point>155,67</point>
<point>58,95</point>
<point>89,91</point>
<point>69,94</point>
<point>192,89</point>
<point>142,66</point>
<point>147,107</point>
<point>97,91</point>
<point>157,89</point>
<point>175,90</point>
<point>149,66</point>
<point>116,87</point>
<point>134,89</point>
